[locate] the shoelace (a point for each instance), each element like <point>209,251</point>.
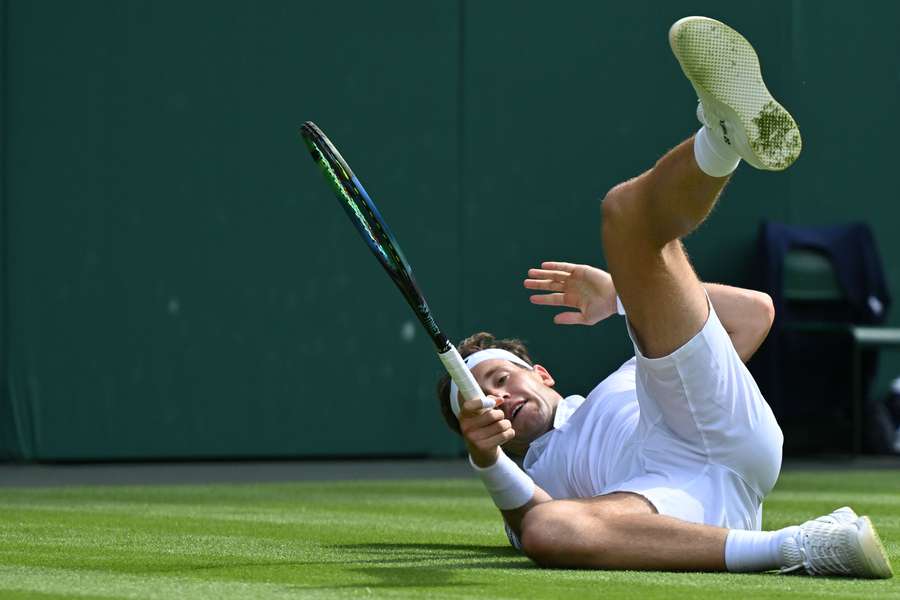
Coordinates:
<point>826,549</point>
<point>826,553</point>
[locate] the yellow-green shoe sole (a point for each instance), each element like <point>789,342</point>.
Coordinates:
<point>724,69</point>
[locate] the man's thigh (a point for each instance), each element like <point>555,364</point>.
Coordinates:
<point>664,299</point>
<point>616,503</point>
<point>579,514</point>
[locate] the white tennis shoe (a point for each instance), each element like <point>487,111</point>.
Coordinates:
<point>734,102</point>
<point>840,543</point>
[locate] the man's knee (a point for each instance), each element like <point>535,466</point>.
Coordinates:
<point>553,534</point>
<point>624,225</point>
<point>615,207</point>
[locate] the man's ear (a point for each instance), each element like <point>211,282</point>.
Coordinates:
<point>545,376</point>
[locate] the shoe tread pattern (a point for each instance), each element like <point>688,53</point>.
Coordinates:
<point>722,64</point>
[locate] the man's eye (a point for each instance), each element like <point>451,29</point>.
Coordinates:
<point>502,379</point>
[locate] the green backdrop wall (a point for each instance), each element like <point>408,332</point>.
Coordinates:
<point>179,283</point>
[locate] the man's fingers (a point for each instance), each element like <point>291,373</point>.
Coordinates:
<point>495,440</point>
<point>553,300</point>
<point>482,420</point>
<point>502,438</point>
<point>569,318</point>
<point>544,284</point>
<point>548,274</point>
<point>547,299</point>
<point>559,266</point>
<point>482,434</point>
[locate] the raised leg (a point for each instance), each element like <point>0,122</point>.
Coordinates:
<point>643,221</point>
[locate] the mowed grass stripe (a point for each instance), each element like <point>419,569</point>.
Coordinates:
<point>403,539</point>
<point>410,581</point>
<point>114,585</point>
<point>355,518</point>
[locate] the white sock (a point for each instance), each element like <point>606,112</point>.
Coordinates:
<point>714,156</point>
<point>754,551</point>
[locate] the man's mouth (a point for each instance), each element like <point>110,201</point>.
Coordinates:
<point>516,410</point>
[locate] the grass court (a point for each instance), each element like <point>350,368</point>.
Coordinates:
<point>435,538</point>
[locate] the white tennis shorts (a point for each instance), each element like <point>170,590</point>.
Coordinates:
<point>710,445</point>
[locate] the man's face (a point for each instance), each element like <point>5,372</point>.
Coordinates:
<point>529,400</point>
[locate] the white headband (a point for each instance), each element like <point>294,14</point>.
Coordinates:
<point>477,358</point>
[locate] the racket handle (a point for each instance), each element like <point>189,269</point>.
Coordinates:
<point>464,380</point>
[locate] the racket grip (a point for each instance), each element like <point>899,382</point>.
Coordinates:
<point>464,380</point>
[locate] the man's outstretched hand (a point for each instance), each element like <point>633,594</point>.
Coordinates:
<point>586,288</point>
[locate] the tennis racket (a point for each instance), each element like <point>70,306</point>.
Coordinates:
<point>374,231</point>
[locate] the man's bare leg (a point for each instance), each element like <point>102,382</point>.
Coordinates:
<point>619,531</point>
<point>643,221</point>
<point>623,531</point>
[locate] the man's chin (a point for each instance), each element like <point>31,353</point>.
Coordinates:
<point>519,444</point>
<point>531,430</point>
<point>515,448</point>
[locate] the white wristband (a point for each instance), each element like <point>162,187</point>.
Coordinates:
<point>508,485</point>
<point>620,308</point>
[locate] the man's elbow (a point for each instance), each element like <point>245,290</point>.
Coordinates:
<point>766,310</point>
<point>758,316</point>
<point>761,315</point>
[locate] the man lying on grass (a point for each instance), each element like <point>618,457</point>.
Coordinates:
<point>666,463</point>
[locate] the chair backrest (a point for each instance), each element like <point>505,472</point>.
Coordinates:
<point>809,277</point>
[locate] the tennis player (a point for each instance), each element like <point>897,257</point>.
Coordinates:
<point>665,464</point>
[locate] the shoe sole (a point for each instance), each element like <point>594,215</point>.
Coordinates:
<point>724,70</point>
<point>876,558</point>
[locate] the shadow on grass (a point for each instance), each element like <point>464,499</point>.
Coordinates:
<point>426,570</point>
<point>382,566</point>
<point>463,556</point>
<point>376,556</point>
<point>431,551</point>
<point>399,577</point>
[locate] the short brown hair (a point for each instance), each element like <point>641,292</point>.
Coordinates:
<point>472,344</point>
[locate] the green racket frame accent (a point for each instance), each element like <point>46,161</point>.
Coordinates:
<point>371,226</point>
